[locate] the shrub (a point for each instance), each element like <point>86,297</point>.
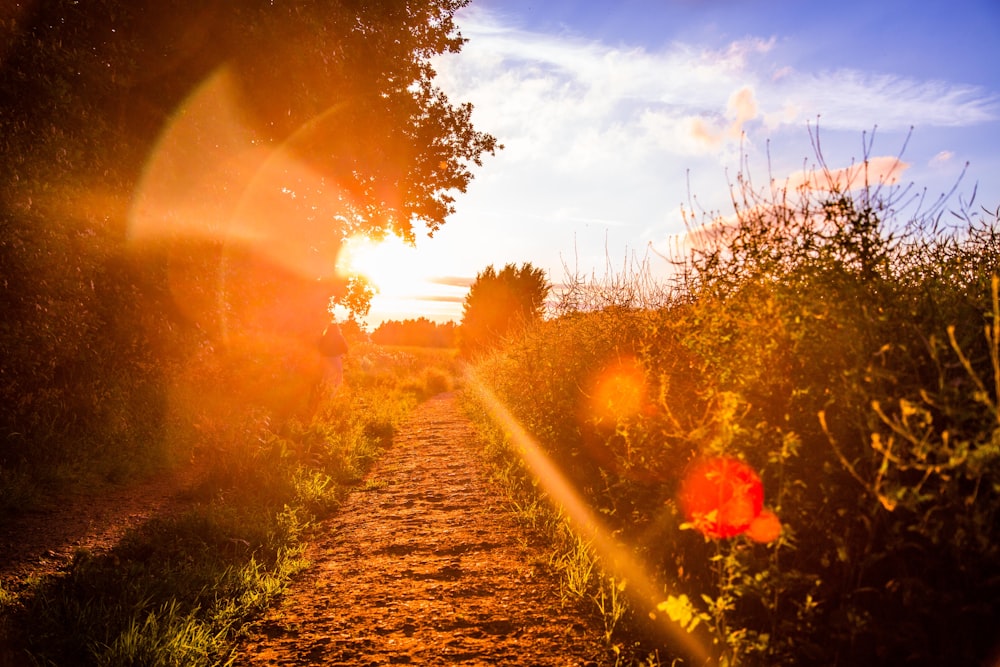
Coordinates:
<point>851,360</point>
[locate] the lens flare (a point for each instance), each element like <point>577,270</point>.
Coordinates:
<point>585,522</point>
<point>721,496</point>
<point>249,232</point>
<point>233,213</point>
<point>618,390</point>
<point>765,528</point>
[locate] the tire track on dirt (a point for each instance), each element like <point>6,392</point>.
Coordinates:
<point>422,566</point>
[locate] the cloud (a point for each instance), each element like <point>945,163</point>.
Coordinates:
<point>849,99</point>
<point>438,298</point>
<point>582,100</point>
<point>741,108</point>
<point>453,281</point>
<point>881,170</point>
<point>542,88</point>
<point>703,133</point>
<point>782,72</point>
<point>942,158</point>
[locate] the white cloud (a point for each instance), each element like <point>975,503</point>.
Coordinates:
<point>849,99</point>
<point>538,87</point>
<point>942,158</point>
<point>601,140</point>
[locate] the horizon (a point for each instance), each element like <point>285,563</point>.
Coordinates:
<point>614,118</point>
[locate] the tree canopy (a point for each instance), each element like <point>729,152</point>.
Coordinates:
<point>348,86</point>
<point>174,171</point>
<point>499,301</point>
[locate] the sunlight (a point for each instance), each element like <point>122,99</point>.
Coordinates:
<point>406,285</point>
<point>587,524</point>
<point>391,265</point>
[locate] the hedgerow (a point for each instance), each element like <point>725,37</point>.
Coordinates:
<point>847,355</point>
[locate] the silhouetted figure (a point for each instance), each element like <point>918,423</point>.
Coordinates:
<point>333,347</point>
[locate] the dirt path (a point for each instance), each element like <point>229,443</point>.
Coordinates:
<point>422,566</point>
<point>41,543</point>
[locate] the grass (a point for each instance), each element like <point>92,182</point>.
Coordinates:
<point>577,565</point>
<point>571,557</point>
<point>178,590</point>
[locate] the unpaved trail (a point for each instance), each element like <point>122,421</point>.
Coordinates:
<point>422,566</point>
<point>40,543</point>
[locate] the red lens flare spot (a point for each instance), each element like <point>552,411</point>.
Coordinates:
<point>765,528</point>
<point>721,496</point>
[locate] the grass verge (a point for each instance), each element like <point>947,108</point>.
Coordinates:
<point>179,589</point>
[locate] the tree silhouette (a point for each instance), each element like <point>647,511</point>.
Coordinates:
<point>172,173</point>
<point>500,302</point>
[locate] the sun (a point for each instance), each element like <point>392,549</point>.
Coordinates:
<point>390,265</point>
<point>407,282</point>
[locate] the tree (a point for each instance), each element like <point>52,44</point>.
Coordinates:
<point>499,302</point>
<point>347,85</point>
<point>420,332</point>
<point>171,171</point>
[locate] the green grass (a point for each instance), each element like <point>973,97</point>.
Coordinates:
<point>179,590</point>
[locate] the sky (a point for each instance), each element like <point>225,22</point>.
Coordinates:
<point>614,115</point>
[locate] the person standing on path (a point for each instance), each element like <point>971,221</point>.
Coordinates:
<point>333,347</point>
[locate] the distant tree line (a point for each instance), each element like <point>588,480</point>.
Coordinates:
<point>420,332</point>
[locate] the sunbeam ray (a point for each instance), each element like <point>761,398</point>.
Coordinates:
<point>643,587</point>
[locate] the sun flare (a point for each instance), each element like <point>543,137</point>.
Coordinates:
<point>391,265</point>
<point>407,280</point>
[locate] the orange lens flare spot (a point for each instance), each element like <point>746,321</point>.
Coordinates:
<point>765,528</point>
<point>721,497</point>
<point>619,390</point>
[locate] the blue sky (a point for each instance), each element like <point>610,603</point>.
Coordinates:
<point>609,110</point>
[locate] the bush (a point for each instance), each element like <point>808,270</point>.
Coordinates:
<point>841,354</point>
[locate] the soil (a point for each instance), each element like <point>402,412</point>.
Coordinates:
<point>42,542</point>
<point>421,565</point>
